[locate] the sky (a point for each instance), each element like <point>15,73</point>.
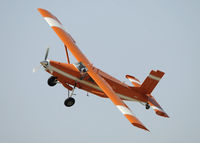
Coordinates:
<point>118,36</point>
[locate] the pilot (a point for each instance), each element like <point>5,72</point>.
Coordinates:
<point>83,72</point>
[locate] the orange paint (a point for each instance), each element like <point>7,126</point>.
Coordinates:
<point>100,83</point>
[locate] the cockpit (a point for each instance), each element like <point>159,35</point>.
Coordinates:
<point>81,67</point>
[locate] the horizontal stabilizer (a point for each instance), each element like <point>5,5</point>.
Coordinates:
<point>133,80</point>
<point>156,107</point>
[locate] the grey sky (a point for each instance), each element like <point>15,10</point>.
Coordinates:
<point>120,37</point>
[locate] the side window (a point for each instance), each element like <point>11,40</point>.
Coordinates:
<point>81,67</point>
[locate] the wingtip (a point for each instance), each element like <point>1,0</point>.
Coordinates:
<point>163,114</point>
<point>46,13</point>
<point>40,9</point>
<point>140,126</point>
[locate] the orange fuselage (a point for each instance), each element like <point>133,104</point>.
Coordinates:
<point>68,74</point>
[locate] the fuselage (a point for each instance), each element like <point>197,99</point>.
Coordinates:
<point>69,74</point>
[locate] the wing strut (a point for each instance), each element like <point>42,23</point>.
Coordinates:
<point>67,54</point>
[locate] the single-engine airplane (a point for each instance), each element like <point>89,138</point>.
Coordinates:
<point>85,76</point>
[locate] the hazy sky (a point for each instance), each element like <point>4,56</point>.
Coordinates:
<point>120,37</point>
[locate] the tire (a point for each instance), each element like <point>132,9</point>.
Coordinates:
<point>147,106</point>
<point>69,102</point>
<point>52,81</point>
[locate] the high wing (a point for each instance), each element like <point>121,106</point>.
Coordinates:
<point>92,71</point>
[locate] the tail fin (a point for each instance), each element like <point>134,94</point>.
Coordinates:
<point>151,81</point>
<point>148,86</point>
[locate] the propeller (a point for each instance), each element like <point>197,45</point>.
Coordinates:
<point>47,53</point>
<point>45,58</point>
<point>35,69</point>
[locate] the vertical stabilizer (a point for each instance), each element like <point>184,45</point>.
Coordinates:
<point>151,81</point>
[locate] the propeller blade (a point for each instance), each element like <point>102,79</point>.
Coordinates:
<point>36,68</point>
<point>47,53</point>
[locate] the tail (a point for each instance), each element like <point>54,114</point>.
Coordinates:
<point>148,86</point>
<point>156,107</point>
<point>151,81</point>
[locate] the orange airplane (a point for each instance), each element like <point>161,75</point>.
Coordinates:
<point>85,76</point>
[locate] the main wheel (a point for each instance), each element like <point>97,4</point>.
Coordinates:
<point>69,102</point>
<point>52,81</point>
<point>147,106</point>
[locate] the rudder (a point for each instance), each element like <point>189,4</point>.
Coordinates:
<point>151,81</point>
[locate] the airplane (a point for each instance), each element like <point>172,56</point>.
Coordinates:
<point>84,75</point>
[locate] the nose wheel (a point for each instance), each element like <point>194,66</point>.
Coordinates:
<point>70,100</point>
<point>52,81</point>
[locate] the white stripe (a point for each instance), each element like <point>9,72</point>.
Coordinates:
<point>156,108</point>
<point>124,110</point>
<point>73,77</point>
<point>154,77</point>
<point>54,23</point>
<point>133,80</point>
<point>125,97</point>
<point>51,68</point>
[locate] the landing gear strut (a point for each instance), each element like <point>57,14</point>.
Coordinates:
<point>147,106</point>
<point>70,100</point>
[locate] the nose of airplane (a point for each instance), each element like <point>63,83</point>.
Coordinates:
<point>44,63</point>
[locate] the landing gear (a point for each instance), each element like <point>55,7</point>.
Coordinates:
<point>70,100</point>
<point>52,81</point>
<point>147,106</point>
